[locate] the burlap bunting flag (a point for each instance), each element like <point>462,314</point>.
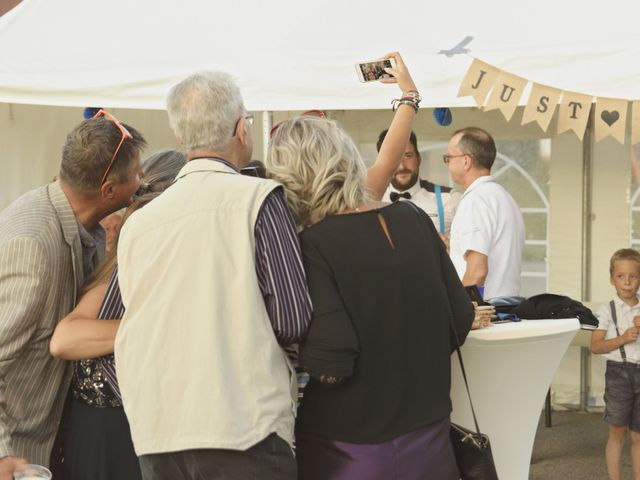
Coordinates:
<point>541,106</point>
<point>478,81</point>
<point>506,93</point>
<point>574,113</point>
<point>610,119</point>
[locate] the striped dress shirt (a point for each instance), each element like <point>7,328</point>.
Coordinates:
<point>280,271</point>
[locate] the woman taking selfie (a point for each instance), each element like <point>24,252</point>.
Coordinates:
<point>384,292</point>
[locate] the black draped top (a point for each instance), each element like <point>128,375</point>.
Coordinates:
<point>383,292</point>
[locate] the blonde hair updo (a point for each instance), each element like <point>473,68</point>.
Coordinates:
<point>319,166</point>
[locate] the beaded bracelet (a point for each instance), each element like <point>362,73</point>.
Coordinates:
<point>404,101</point>
<point>413,94</point>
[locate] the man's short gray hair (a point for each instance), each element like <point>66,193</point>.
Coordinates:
<point>204,109</point>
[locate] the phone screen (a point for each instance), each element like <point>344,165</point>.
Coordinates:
<point>375,70</point>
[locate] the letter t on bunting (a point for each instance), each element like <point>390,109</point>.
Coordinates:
<point>574,113</point>
<point>478,81</point>
<point>541,105</point>
<point>506,94</point>
<point>611,118</point>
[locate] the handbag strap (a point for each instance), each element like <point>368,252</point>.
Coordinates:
<point>455,335</point>
<point>438,191</point>
<point>614,317</point>
<point>464,374</point>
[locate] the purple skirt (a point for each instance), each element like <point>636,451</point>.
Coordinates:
<point>422,454</point>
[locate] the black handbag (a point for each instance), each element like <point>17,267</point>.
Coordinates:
<point>471,449</point>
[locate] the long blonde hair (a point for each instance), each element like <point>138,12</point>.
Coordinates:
<point>319,166</point>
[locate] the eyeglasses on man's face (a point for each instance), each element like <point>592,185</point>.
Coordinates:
<point>248,120</point>
<point>446,158</point>
<point>125,135</point>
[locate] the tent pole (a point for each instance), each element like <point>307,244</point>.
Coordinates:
<point>267,120</point>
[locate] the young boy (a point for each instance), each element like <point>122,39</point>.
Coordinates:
<point>616,337</point>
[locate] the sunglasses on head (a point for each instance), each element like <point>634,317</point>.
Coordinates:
<point>311,113</point>
<point>125,136</point>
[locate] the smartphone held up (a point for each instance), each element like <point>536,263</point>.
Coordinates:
<point>374,69</point>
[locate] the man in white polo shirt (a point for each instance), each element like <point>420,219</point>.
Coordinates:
<point>487,233</point>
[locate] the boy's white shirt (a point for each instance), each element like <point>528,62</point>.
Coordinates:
<point>625,314</point>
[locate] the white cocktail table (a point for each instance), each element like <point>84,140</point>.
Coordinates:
<point>509,367</point>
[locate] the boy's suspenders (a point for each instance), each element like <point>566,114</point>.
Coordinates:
<point>623,354</point>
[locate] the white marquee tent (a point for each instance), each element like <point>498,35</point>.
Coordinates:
<point>291,55</point>
<point>59,56</point>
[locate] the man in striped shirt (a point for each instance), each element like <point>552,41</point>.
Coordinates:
<point>50,241</point>
<point>213,286</point>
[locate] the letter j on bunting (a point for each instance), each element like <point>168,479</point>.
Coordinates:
<point>478,81</point>
<point>506,94</point>
<point>611,118</point>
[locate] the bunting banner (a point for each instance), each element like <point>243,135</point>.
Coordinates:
<point>541,106</point>
<point>610,119</point>
<point>573,113</point>
<point>495,89</point>
<point>506,93</point>
<point>478,81</point>
<point>635,122</point>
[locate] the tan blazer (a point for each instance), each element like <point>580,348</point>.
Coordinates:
<point>40,275</point>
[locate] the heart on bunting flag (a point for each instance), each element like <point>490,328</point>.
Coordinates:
<point>610,117</point>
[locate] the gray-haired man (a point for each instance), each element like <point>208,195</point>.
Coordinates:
<point>213,285</point>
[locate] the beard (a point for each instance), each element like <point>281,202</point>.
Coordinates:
<point>405,184</point>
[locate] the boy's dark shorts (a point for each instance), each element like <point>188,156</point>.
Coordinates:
<point>622,395</point>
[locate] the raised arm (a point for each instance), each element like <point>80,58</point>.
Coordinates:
<point>395,142</point>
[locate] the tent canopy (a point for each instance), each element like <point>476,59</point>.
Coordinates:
<point>292,55</point>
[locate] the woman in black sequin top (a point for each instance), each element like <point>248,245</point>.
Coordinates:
<point>98,443</point>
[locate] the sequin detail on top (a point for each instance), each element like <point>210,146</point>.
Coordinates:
<point>94,382</point>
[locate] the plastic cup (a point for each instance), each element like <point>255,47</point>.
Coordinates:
<point>32,472</point>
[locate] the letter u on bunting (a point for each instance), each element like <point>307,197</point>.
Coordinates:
<point>506,93</point>
<point>574,113</point>
<point>478,81</point>
<point>611,118</point>
<point>541,106</point>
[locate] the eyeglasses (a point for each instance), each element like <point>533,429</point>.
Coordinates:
<point>311,113</point>
<point>125,136</point>
<point>248,119</point>
<point>446,157</point>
